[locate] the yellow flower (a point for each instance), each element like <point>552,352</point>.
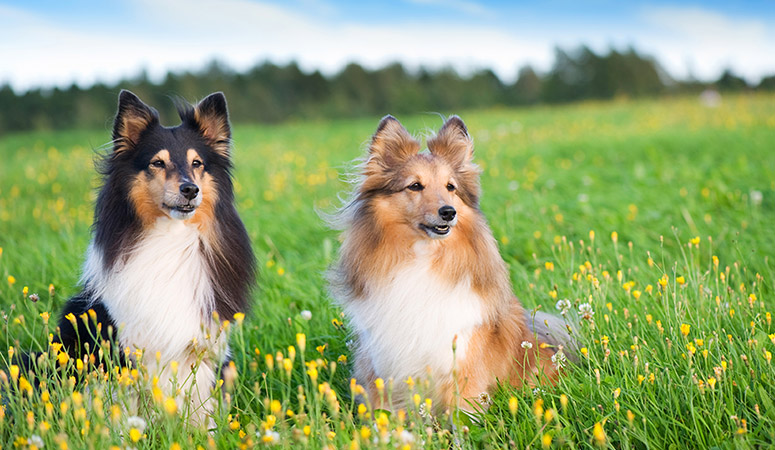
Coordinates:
<point>680,280</point>
<point>546,440</point>
<point>365,433</point>
<point>513,405</point>
<point>380,384</point>
<point>25,386</point>
<point>712,382</point>
<point>641,378</point>
<point>171,406</point>
<point>63,357</point>
<point>382,420</point>
<point>45,316</point>
<point>301,341</point>
<point>695,241</point>
<point>135,434</point>
<point>591,235</point>
<point>239,317</point>
<point>614,236</point>
<point>636,294</point>
<point>11,280</point>
<point>598,434</point>
<point>685,328</point>
<point>549,265</point>
<point>584,351</point>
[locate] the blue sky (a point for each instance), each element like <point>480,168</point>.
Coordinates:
<point>56,43</point>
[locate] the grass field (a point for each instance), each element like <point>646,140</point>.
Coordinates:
<point>659,214</point>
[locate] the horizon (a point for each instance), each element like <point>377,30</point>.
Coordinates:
<point>85,42</point>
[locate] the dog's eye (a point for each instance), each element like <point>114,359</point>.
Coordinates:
<point>159,164</point>
<point>450,187</point>
<point>196,163</point>
<point>415,187</point>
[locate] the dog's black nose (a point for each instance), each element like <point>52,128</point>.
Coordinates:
<point>189,190</point>
<point>447,212</point>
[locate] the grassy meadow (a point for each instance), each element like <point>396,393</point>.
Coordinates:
<point>658,214</point>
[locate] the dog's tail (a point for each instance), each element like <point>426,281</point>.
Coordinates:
<point>554,331</point>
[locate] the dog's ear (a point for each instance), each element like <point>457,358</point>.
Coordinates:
<point>132,119</point>
<point>453,142</point>
<point>211,117</point>
<point>391,143</point>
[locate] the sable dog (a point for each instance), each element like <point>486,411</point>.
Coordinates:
<point>168,250</point>
<point>419,268</point>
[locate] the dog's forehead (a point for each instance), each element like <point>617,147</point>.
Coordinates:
<point>177,141</point>
<point>426,164</point>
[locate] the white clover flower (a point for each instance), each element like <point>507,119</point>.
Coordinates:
<point>563,306</point>
<point>538,392</point>
<point>136,422</point>
<point>585,311</point>
<point>36,441</point>
<point>406,437</point>
<point>306,314</point>
<point>485,399</point>
<point>269,437</point>
<point>559,360</point>
<point>527,344</point>
<point>756,197</point>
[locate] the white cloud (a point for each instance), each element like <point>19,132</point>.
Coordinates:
<point>241,33</point>
<point>186,34</point>
<point>703,42</point>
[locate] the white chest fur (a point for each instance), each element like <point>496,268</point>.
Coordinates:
<point>161,295</point>
<point>406,324</point>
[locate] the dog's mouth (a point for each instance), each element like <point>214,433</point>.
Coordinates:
<point>180,211</point>
<point>436,231</point>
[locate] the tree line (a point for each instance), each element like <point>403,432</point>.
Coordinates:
<point>271,93</point>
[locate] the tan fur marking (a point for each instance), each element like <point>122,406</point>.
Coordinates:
<point>191,155</point>
<point>204,217</point>
<point>214,129</point>
<point>163,155</point>
<point>146,197</point>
